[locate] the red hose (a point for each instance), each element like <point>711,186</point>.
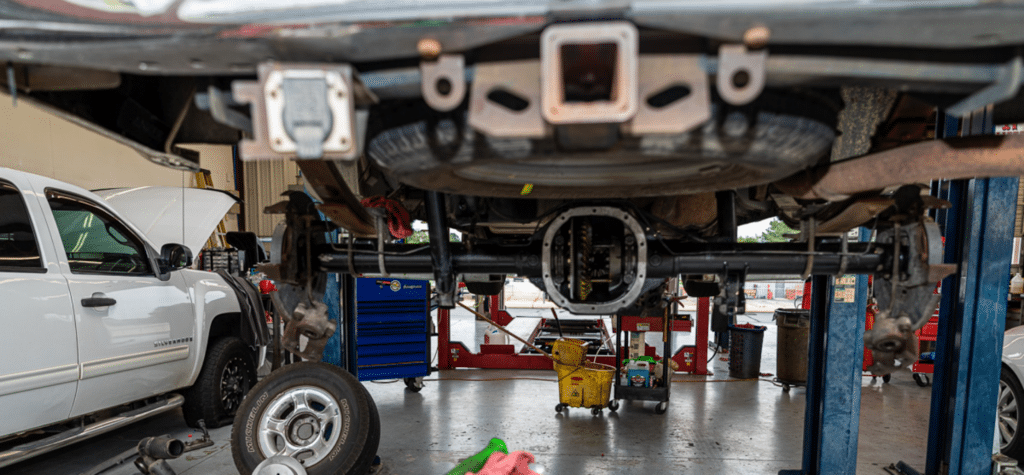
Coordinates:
<point>399,223</point>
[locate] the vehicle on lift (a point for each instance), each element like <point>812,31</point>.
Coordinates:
<point>100,330</point>
<point>596,148</point>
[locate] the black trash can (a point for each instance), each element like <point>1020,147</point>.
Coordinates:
<point>793,338</point>
<point>745,351</point>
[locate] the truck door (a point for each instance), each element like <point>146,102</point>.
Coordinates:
<point>38,349</point>
<point>135,331</point>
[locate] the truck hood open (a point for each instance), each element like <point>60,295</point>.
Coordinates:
<point>171,215</point>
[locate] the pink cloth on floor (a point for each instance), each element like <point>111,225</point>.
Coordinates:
<point>515,463</point>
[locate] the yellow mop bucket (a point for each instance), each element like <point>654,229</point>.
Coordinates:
<point>586,385</point>
<point>569,351</point>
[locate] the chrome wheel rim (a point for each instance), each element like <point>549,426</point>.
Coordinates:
<point>303,423</point>
<point>1007,414</point>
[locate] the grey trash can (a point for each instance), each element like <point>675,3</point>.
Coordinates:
<point>793,337</point>
<point>745,351</point>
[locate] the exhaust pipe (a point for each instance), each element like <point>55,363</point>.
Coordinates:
<point>951,159</point>
<point>161,447</point>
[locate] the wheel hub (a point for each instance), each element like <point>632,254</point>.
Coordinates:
<point>231,385</point>
<point>303,429</point>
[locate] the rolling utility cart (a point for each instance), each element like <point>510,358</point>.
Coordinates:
<point>644,324</point>
<point>387,329</point>
<point>925,364</point>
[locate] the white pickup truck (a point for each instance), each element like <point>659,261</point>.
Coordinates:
<point>98,329</point>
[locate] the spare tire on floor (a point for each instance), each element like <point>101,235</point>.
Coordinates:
<point>316,413</point>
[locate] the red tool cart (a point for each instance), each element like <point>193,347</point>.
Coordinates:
<point>925,364</point>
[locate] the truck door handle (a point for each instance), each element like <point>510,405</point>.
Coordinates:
<point>98,302</point>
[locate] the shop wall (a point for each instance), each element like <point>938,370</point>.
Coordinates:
<point>37,142</point>
<point>265,181</point>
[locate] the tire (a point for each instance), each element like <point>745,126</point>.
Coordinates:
<point>487,288</point>
<point>886,378</point>
<point>227,374</point>
<point>661,407</point>
<point>773,137</point>
<point>373,441</point>
<point>1011,396</point>
<point>613,406</point>
<point>697,288</point>
<point>921,379</point>
<point>310,429</point>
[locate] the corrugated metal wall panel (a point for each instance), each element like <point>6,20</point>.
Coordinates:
<point>265,181</point>
<point>1018,225</point>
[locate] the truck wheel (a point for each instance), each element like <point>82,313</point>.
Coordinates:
<point>316,413</point>
<point>227,374</point>
<point>373,441</point>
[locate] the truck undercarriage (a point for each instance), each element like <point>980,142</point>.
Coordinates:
<point>596,158</point>
<point>596,148</point>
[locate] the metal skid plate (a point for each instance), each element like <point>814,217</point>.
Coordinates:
<point>660,72</point>
<point>304,111</point>
<point>520,80</point>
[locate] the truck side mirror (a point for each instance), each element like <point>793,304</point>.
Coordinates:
<point>175,256</point>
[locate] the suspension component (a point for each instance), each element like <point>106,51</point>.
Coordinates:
<point>597,273</point>
<point>905,294</point>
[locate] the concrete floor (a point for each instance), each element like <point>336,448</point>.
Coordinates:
<point>713,424</point>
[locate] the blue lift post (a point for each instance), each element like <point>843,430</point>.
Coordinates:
<point>979,233</point>
<point>835,356</point>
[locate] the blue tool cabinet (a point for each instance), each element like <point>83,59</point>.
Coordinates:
<point>388,337</point>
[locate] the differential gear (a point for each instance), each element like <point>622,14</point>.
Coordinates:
<point>586,248</point>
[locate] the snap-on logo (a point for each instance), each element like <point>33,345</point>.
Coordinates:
<point>396,286</point>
